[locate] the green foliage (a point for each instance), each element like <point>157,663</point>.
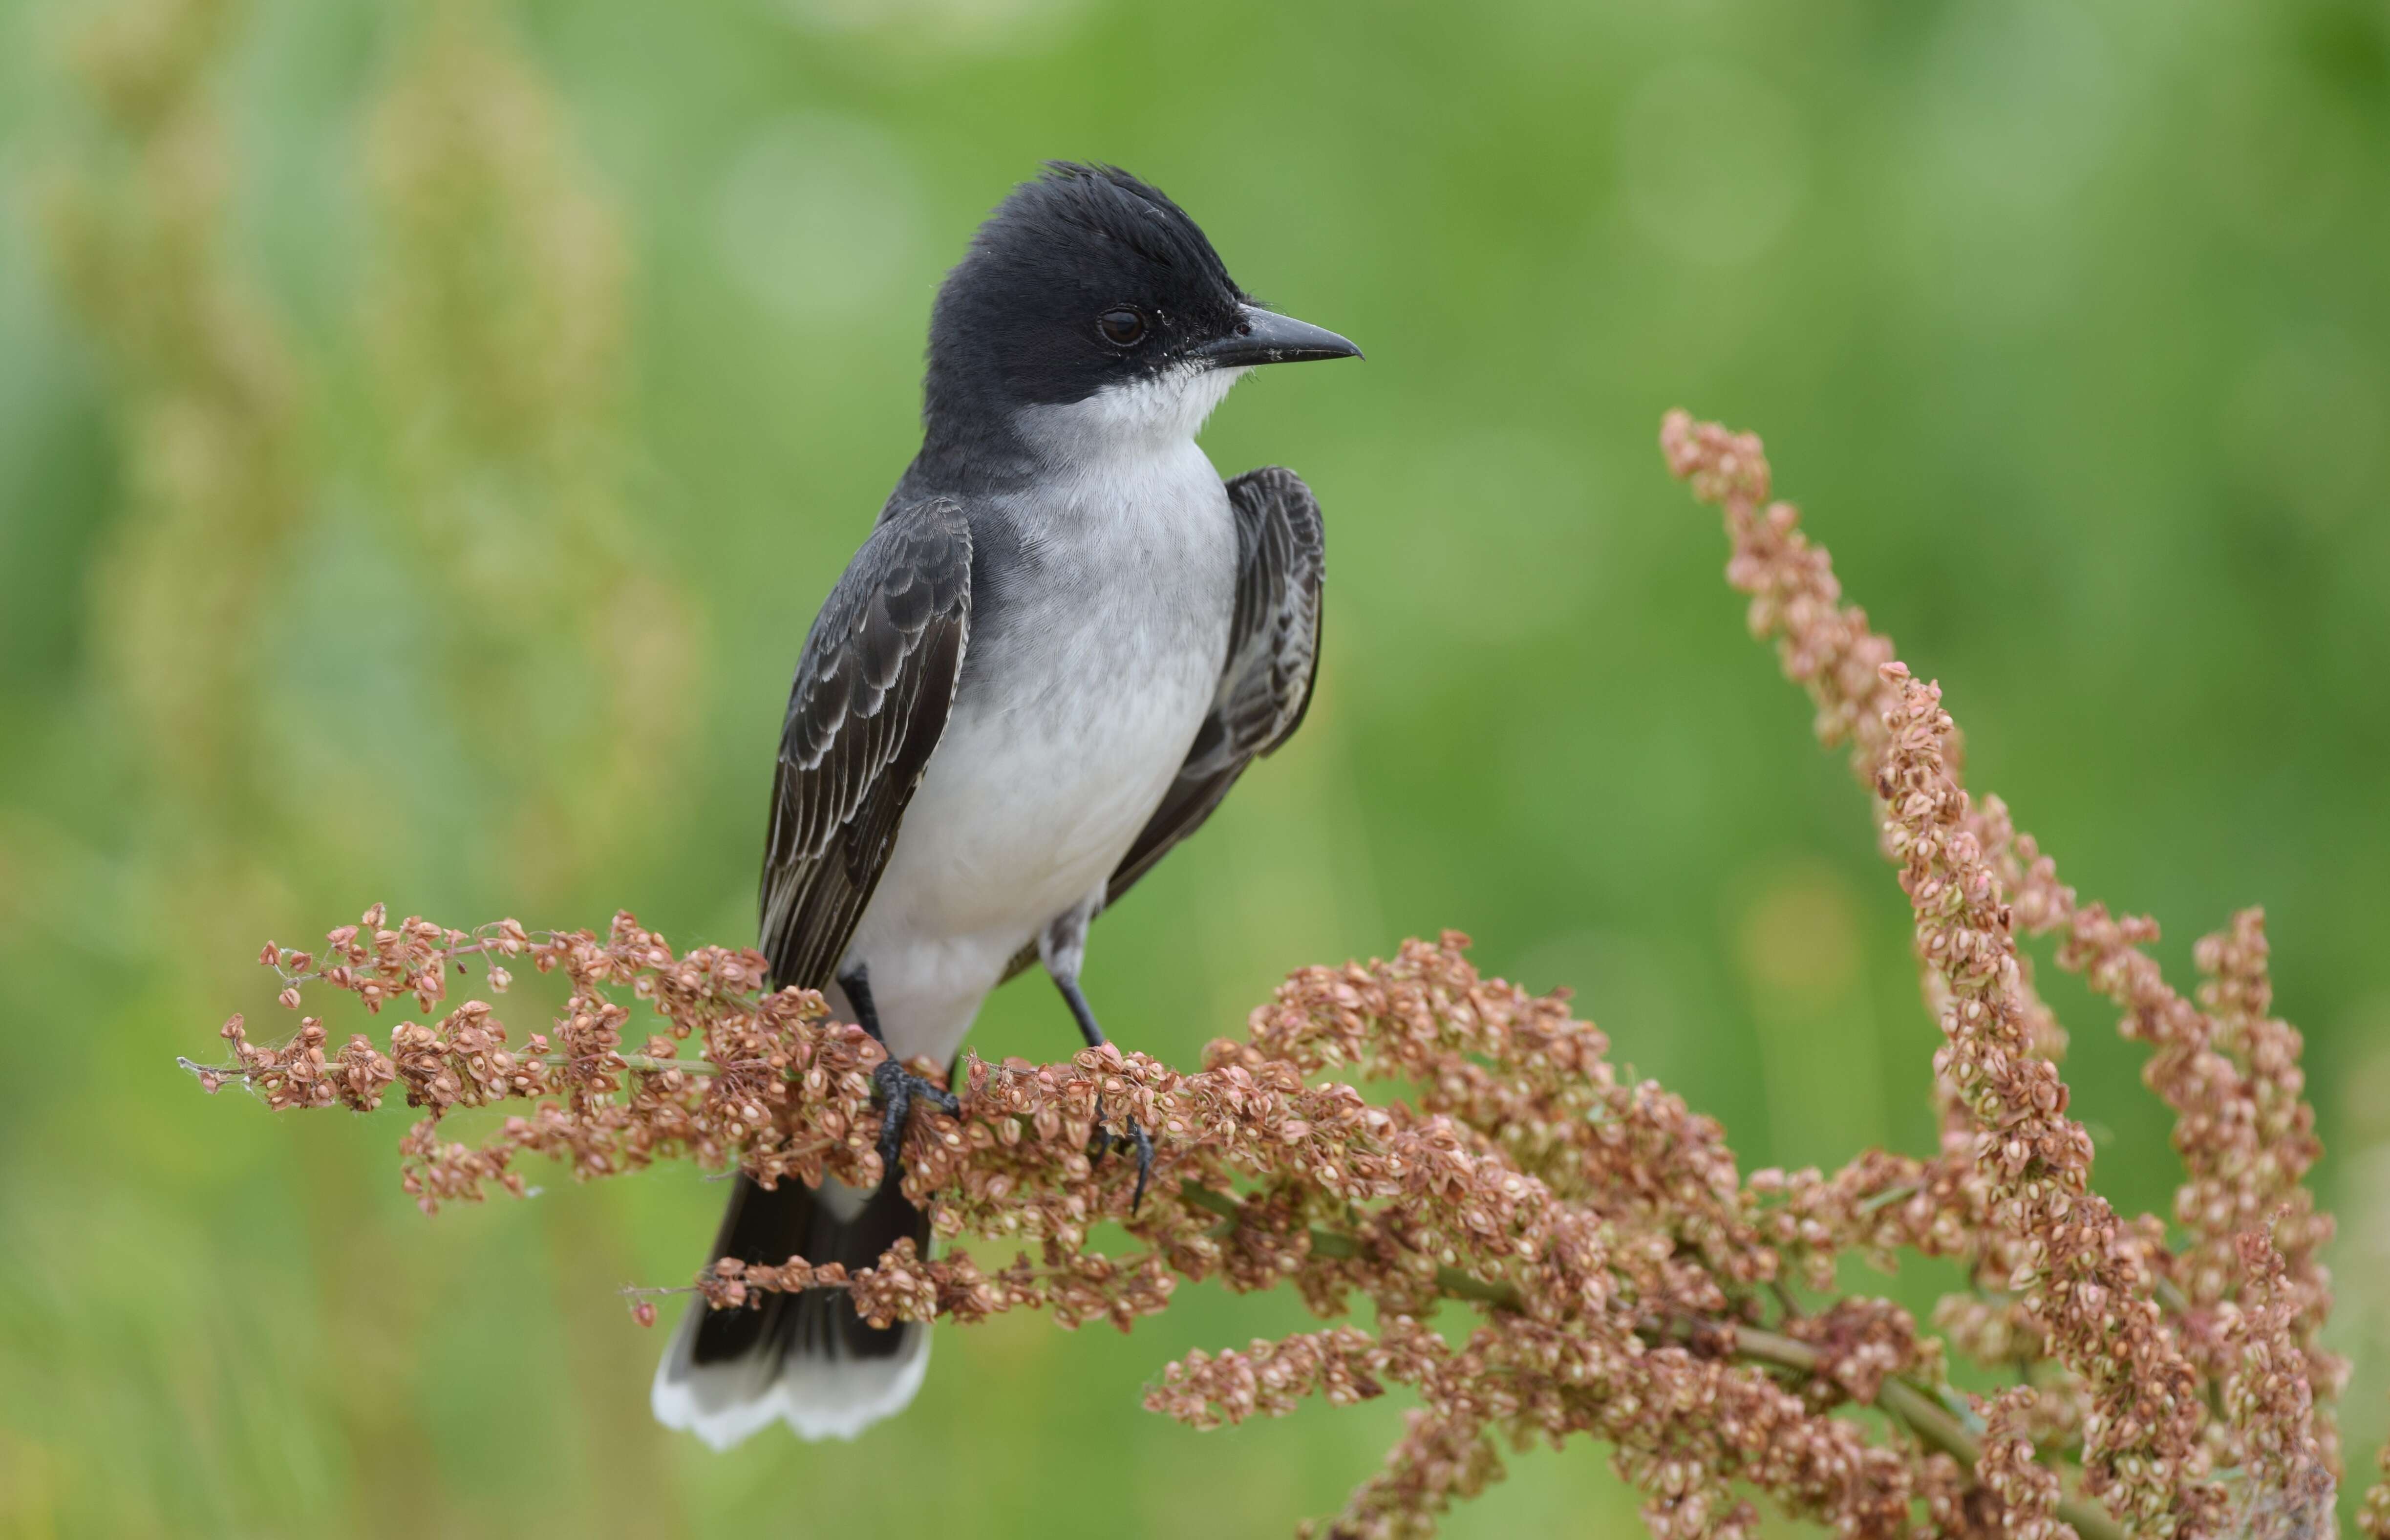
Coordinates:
<point>425,432</point>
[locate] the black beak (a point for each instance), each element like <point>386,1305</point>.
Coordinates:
<point>1266,337</point>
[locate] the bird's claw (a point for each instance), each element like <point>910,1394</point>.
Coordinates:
<point>1143,1143</point>
<point>1132,1137</point>
<point>899,1088</point>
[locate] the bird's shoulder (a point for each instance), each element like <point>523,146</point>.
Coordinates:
<point>909,579</point>
<point>876,678</point>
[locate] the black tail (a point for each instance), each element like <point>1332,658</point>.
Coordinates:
<point>804,1358</point>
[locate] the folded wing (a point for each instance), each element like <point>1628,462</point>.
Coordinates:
<point>1273,654</point>
<point>871,698</point>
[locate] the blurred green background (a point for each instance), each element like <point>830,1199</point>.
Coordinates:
<point>426,431</point>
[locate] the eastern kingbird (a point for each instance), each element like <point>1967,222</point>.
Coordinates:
<point>1063,643</point>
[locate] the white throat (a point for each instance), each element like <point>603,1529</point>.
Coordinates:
<point>1135,421</point>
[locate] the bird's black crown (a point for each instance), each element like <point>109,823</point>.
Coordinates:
<point>1082,279</point>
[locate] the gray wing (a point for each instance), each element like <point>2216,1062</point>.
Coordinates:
<point>872,693</point>
<point>1273,654</point>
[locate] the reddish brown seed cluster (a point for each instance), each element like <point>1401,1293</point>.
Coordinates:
<point>773,1086</point>
<point>1630,1282</point>
<point>2147,1339</point>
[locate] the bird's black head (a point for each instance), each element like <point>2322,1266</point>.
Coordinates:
<point>1087,282</point>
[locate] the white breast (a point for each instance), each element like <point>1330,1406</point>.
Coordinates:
<point>1086,692</point>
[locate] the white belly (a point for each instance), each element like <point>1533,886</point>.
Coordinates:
<point>1097,681</point>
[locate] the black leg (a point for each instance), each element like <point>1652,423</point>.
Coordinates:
<point>857,985</point>
<point>899,1088</point>
<point>1142,1142</point>
<point>1081,1011</point>
<point>1134,1136</point>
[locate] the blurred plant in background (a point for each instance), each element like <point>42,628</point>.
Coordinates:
<point>542,668</point>
<point>208,407</point>
<point>496,325</point>
<point>424,429</point>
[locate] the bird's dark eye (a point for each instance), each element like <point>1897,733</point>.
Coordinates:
<point>1122,326</point>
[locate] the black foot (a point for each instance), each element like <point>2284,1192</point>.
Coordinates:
<point>899,1088</point>
<point>1132,1137</point>
<point>1143,1143</point>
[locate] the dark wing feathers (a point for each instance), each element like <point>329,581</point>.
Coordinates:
<point>1273,653</point>
<point>870,701</point>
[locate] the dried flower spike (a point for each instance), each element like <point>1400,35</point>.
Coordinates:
<point>1630,1282</point>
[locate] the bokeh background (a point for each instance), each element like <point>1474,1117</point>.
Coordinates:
<point>426,430</point>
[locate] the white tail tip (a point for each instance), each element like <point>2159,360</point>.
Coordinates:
<point>818,1396</point>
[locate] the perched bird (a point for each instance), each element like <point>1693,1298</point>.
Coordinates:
<point>1063,643</point>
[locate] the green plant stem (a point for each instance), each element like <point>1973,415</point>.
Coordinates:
<point>636,1063</point>
<point>639,1062</point>
<point>1903,1403</point>
<point>1888,1197</point>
